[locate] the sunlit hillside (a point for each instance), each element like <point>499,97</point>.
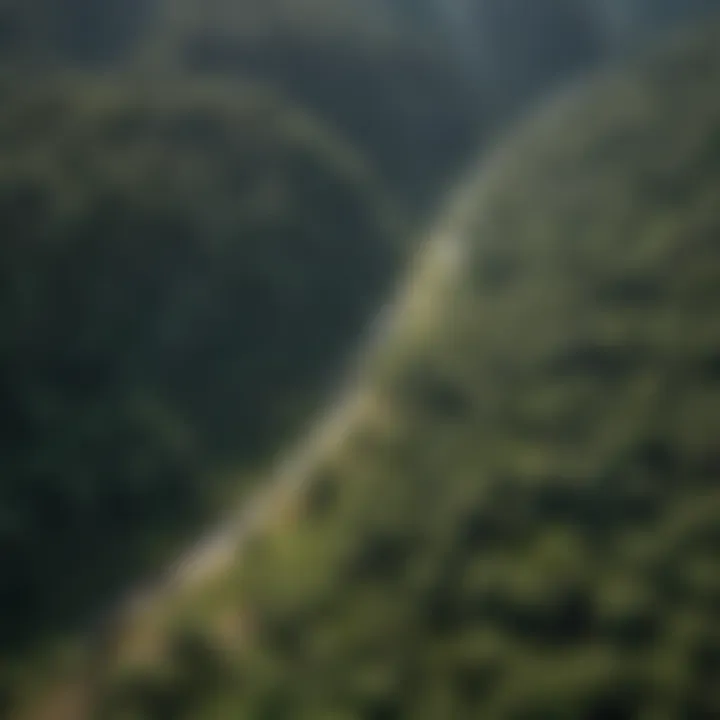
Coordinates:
<point>524,522</point>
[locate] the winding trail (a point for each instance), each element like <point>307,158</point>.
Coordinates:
<point>223,544</point>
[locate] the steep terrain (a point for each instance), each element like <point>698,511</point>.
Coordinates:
<point>187,254</point>
<point>166,263</point>
<point>171,237</point>
<point>524,523</point>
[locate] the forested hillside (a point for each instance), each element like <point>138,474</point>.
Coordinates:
<point>166,268</point>
<point>202,203</point>
<point>525,522</point>
<point>415,84</point>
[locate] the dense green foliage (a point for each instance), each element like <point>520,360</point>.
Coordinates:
<point>526,524</point>
<point>437,76</point>
<point>402,104</point>
<point>184,255</point>
<point>394,94</point>
<point>414,84</point>
<point>166,264</point>
<point>168,254</point>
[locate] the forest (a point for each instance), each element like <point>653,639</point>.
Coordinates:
<point>204,203</point>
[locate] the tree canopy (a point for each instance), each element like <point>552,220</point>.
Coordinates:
<point>168,260</point>
<point>202,202</point>
<point>524,522</point>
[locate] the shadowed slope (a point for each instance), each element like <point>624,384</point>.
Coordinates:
<point>166,263</point>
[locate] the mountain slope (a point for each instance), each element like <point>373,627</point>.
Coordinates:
<point>166,260</point>
<point>524,524</point>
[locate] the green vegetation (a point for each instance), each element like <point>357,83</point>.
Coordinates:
<point>201,203</point>
<point>524,525</point>
<point>171,236</point>
<point>392,93</point>
<point>415,85</point>
<point>166,267</point>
